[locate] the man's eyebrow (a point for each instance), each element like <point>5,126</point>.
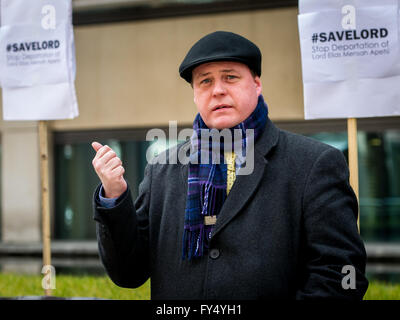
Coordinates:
<point>202,74</point>
<point>228,70</point>
<point>208,73</point>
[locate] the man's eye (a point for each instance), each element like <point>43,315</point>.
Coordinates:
<point>231,77</point>
<point>205,81</point>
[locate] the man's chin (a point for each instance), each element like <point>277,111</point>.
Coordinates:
<point>223,123</point>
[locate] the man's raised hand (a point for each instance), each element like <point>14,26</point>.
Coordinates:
<point>110,170</point>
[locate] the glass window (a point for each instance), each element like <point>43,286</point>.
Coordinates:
<point>76,180</point>
<point>379,181</point>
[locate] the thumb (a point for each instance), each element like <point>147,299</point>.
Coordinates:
<point>96,146</point>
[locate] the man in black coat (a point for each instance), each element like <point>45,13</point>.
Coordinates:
<point>277,221</point>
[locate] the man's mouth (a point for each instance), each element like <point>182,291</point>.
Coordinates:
<point>221,106</point>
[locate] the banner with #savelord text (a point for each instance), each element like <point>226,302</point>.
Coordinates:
<point>37,60</point>
<point>350,58</point>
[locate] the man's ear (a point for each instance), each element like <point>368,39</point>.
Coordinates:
<point>258,85</point>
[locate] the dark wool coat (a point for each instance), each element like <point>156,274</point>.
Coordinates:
<point>285,231</point>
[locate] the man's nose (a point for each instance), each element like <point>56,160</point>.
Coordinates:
<point>219,88</point>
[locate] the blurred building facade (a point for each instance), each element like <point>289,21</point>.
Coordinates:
<point>128,54</point>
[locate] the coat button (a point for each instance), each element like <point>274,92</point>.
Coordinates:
<point>214,253</point>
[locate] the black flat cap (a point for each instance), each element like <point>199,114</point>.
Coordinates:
<point>221,46</point>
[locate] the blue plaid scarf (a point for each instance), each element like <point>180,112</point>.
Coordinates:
<point>207,181</point>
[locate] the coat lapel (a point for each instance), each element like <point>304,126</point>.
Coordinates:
<point>185,167</point>
<point>245,185</point>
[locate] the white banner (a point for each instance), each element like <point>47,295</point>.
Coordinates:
<point>37,60</point>
<point>350,58</point>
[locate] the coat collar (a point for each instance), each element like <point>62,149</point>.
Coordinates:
<point>268,139</point>
<point>245,185</point>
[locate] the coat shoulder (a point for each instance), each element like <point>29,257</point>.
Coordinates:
<point>300,152</point>
<point>169,162</point>
<point>300,145</point>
